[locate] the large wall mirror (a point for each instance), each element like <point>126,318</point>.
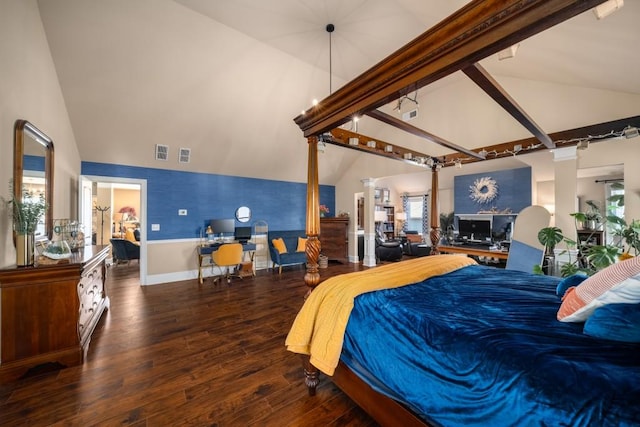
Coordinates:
<point>33,170</point>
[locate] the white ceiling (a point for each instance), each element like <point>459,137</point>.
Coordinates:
<point>226,77</point>
<point>582,51</point>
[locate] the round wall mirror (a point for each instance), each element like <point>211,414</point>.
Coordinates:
<point>243,214</point>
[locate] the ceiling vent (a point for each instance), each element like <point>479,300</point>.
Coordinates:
<point>185,155</point>
<point>410,115</point>
<point>162,152</point>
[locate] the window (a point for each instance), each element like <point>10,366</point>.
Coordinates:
<point>416,213</point>
<point>614,194</point>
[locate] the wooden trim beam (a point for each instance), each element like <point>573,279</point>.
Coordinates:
<point>479,29</point>
<point>487,83</point>
<point>341,137</point>
<point>402,125</point>
<point>566,138</point>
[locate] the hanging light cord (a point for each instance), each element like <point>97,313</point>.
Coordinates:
<point>330,28</point>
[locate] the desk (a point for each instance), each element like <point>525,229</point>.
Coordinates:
<point>203,251</point>
<point>474,251</point>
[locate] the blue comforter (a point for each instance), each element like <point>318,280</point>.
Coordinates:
<point>482,346</point>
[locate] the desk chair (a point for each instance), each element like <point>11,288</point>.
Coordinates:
<point>227,256</point>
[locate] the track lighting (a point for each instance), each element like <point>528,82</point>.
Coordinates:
<point>509,52</point>
<point>630,132</point>
<point>607,8</point>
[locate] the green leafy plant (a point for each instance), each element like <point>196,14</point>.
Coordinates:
<point>446,220</point>
<point>27,211</point>
<point>591,219</point>
<point>550,237</point>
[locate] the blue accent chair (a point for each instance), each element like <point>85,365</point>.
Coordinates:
<point>125,250</point>
<point>291,257</point>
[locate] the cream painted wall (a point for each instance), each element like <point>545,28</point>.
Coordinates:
<point>614,152</point>
<point>29,90</point>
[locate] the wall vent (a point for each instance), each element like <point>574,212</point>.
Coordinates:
<point>162,152</point>
<point>184,156</point>
<point>410,115</point>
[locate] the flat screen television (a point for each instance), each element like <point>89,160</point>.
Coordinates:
<point>474,230</point>
<point>223,226</point>
<point>243,234</point>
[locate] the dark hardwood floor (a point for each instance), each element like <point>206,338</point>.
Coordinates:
<point>187,354</point>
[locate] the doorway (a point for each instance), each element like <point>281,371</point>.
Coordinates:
<point>111,205</point>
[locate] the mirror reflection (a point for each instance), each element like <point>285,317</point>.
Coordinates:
<point>243,214</point>
<point>33,170</point>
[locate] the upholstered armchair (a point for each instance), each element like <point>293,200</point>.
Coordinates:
<point>386,249</point>
<point>124,250</point>
<point>415,245</point>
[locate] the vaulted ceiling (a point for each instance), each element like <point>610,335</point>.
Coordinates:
<point>226,77</point>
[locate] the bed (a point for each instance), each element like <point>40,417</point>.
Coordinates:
<point>475,345</point>
<point>478,30</point>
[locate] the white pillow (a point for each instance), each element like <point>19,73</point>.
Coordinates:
<point>618,283</point>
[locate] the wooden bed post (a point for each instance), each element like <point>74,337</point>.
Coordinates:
<point>434,234</point>
<point>311,375</point>
<point>312,277</point>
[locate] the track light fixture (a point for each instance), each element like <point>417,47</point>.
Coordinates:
<point>407,98</point>
<point>630,132</point>
<point>509,52</point>
<point>607,8</point>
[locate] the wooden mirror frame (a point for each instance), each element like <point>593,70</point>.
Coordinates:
<point>25,129</point>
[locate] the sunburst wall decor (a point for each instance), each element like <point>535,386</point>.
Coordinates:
<point>483,190</point>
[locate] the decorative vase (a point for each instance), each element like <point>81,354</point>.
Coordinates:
<point>25,249</point>
<point>321,214</point>
<point>58,249</point>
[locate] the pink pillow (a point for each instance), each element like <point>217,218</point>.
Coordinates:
<point>618,283</point>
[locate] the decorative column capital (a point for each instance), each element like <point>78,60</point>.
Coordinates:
<point>368,182</point>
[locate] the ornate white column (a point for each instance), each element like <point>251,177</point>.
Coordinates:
<point>369,259</point>
<point>565,188</point>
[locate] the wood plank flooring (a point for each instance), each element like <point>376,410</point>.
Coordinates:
<point>187,354</point>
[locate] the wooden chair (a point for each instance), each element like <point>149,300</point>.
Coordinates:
<point>227,256</point>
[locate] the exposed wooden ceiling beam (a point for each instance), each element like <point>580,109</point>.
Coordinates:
<point>401,124</point>
<point>487,83</point>
<point>565,138</point>
<point>479,29</point>
<point>342,137</point>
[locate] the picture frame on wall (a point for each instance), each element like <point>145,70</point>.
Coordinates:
<point>386,194</point>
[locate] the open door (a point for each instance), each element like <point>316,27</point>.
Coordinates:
<point>85,209</point>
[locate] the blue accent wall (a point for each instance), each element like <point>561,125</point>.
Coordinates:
<point>33,163</point>
<point>514,191</point>
<point>281,204</point>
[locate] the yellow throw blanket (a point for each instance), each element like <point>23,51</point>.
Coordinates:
<point>319,327</point>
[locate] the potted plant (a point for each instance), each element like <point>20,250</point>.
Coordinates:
<point>591,219</point>
<point>25,212</point>
<point>446,225</point>
<point>549,237</point>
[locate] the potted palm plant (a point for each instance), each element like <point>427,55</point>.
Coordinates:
<point>26,212</point>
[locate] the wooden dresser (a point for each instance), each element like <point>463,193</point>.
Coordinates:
<point>334,238</point>
<point>48,312</point>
